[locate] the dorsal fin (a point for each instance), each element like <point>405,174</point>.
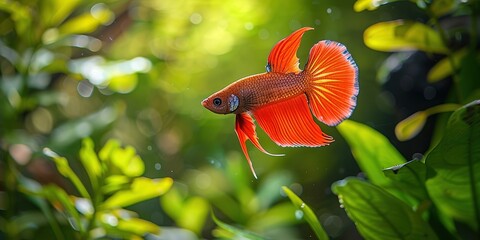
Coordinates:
<point>283,57</point>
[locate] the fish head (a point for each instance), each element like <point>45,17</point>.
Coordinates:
<point>222,102</point>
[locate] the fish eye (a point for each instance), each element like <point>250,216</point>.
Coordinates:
<point>217,102</point>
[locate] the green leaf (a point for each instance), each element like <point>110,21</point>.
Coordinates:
<point>361,5</point>
<point>21,16</point>
<point>378,214</point>
<point>108,148</point>
<point>65,169</point>
<point>410,178</point>
<point>237,233</point>
<point>87,22</point>
<point>138,226</point>
<point>403,35</point>
<point>444,67</point>
<point>128,161</point>
<point>411,126</point>
<point>53,12</point>
<point>115,183</point>
<point>141,190</point>
<point>372,151</point>
<point>455,186</point>
<point>307,214</point>
<point>90,161</point>
<point>189,213</point>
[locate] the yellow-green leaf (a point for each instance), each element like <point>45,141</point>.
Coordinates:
<point>444,68</point>
<point>361,5</point>
<point>87,22</point>
<point>90,161</point>
<point>108,148</point>
<point>138,226</point>
<point>128,161</point>
<point>141,190</point>
<point>403,35</point>
<point>411,126</point>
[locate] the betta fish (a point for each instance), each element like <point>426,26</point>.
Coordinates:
<point>283,99</point>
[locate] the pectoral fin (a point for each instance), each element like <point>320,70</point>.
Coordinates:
<point>245,129</point>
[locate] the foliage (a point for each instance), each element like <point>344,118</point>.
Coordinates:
<point>100,212</point>
<point>78,72</point>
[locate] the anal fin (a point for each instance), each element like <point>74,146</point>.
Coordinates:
<point>290,123</point>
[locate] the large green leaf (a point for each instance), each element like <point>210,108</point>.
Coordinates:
<point>141,189</point>
<point>378,214</point>
<point>372,151</point>
<point>307,213</point>
<point>410,178</point>
<point>455,186</point>
<point>403,35</point>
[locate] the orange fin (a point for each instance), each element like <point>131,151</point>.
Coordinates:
<point>334,82</point>
<point>245,129</point>
<point>290,124</point>
<point>283,57</point>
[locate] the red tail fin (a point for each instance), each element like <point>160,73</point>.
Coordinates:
<point>333,74</point>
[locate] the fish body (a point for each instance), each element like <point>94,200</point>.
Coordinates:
<point>283,99</point>
<point>262,89</point>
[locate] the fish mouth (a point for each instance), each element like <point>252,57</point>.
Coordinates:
<point>204,102</point>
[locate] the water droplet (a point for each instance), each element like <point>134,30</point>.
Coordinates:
<point>158,166</point>
<point>329,10</point>
<point>149,147</point>
<point>299,214</point>
<point>303,205</point>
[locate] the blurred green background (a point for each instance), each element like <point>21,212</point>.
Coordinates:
<point>137,71</point>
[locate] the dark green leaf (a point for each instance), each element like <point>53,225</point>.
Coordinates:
<point>403,35</point>
<point>378,214</point>
<point>307,213</point>
<point>469,72</point>
<point>455,186</point>
<point>410,178</point>
<point>372,151</point>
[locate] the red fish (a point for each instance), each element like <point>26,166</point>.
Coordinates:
<point>283,99</point>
